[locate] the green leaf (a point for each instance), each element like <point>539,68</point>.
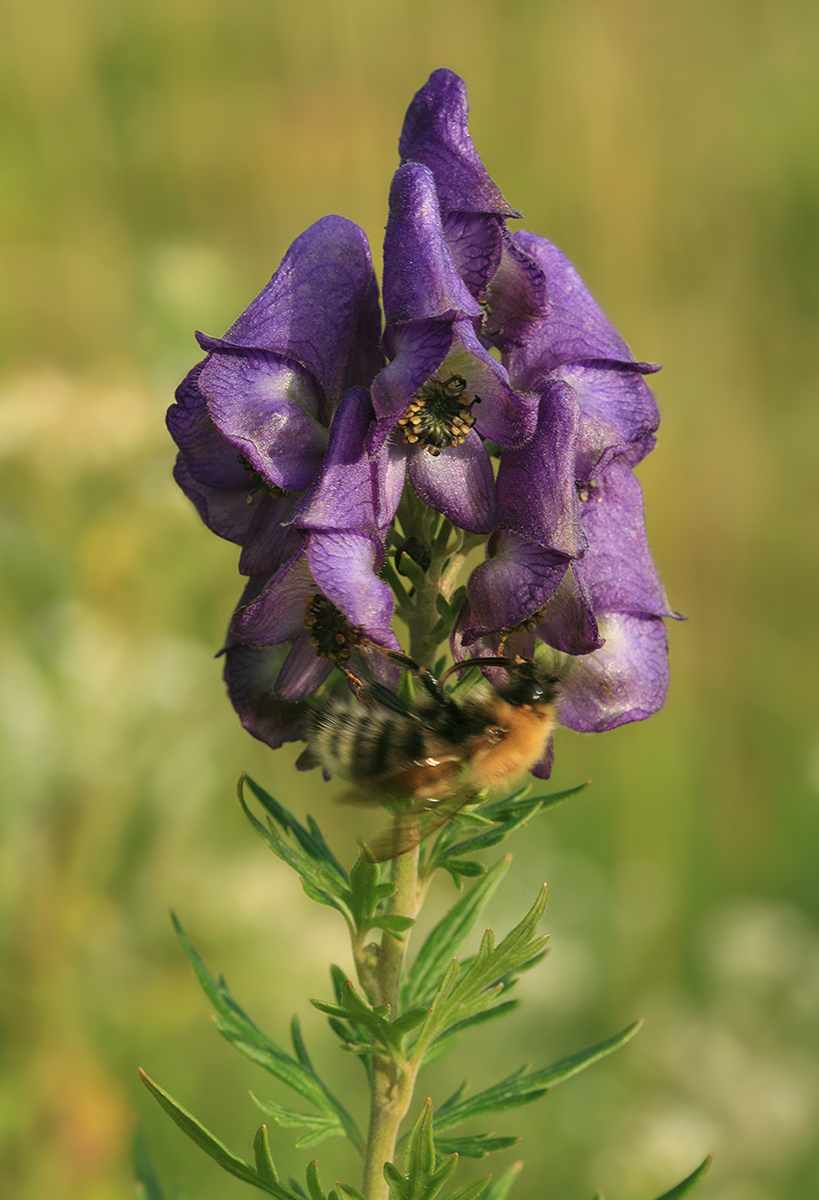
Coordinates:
<point>354,1008</point>
<point>345,1191</point>
<point>420,1179</point>
<point>469,1191</point>
<point>500,1188</point>
<point>481,982</point>
<point>265,1166</point>
<point>322,877</point>
<point>522,1086</point>
<point>144,1172</point>
<point>393,925</point>
<point>320,1126</point>
<point>241,1032</point>
<point>446,939</point>
<point>211,1145</point>
<point>477,1145</point>
<point>683,1188</point>
<point>505,816</point>
<point>314,1181</point>
<point>311,840</point>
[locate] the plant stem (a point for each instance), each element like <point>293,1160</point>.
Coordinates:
<point>392,1085</point>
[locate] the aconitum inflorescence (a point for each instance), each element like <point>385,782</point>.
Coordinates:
<point>498,408</point>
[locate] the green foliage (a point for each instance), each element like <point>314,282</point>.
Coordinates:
<point>387,1036</point>
<point>297,1073</point>
<point>497,821</point>
<point>420,1179</point>
<point>522,1086</point>
<point>683,1188</point>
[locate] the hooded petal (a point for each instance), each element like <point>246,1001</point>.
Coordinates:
<point>276,612</point>
<point>626,680</point>
<point>618,569</point>
<point>618,416</point>
<point>517,297</point>
<point>303,671</point>
<point>250,675</point>
<point>267,410</point>
<point>224,512</point>
<point>436,133</point>
<point>476,244</point>
<point>320,309</point>
<point>574,329</point>
<point>420,276</point>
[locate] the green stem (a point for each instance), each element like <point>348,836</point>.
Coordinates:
<point>392,1085</point>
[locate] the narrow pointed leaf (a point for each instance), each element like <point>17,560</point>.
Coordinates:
<point>319,1126</point>
<point>265,1166</point>
<point>347,1192</point>
<point>144,1171</point>
<point>446,939</point>
<point>524,1086</point>
<point>314,1181</point>
<point>206,1141</point>
<point>470,1191</point>
<point>240,1031</point>
<point>478,1145</point>
<point>500,1188</point>
<point>690,1181</point>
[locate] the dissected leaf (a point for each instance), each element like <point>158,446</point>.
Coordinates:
<point>320,1126</point>
<point>477,1145</point>
<point>522,1086</point>
<point>446,939</point>
<point>240,1031</point>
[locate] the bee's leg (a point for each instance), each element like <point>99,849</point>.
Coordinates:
<point>430,681</point>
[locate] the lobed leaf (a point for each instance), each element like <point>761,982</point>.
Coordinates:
<point>522,1086</point>
<point>477,1145</point>
<point>448,936</point>
<point>320,1126</point>
<point>241,1032</point>
<point>420,1179</point>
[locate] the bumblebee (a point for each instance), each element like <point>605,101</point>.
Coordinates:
<point>442,751</point>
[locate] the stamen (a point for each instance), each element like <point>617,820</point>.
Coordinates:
<point>439,415</point>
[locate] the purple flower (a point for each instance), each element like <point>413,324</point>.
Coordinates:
<point>252,420</point>
<point>497,271</point>
<point>442,392</point>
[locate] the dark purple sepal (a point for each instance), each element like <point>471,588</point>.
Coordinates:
<point>302,671</point>
<point>344,566</point>
<point>543,768</point>
<point>320,309</point>
<point>568,622</point>
<point>536,492</point>
<point>575,327</point>
<point>250,675</point>
<point>626,680</point>
<point>618,569</point>
<point>436,133</point>
<point>510,587</point>
<point>209,459</point>
<point>354,490</point>
<point>475,242</point>
<point>268,411</point>
<point>421,280</point>
<point>226,513</point>
<point>416,350</point>
<point>459,483</point>
<point>517,297</point>
<point>271,540</point>
<point>618,416</point>
<point>276,612</point>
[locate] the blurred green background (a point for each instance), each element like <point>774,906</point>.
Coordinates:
<point>158,158</point>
